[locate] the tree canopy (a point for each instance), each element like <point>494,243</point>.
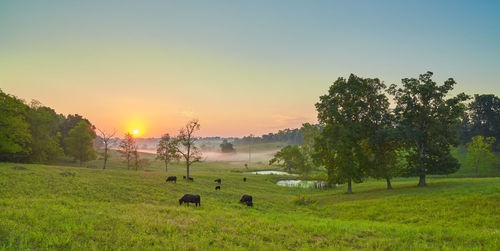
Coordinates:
<point>427,120</point>
<point>79,142</point>
<point>350,113</point>
<point>291,157</point>
<point>226,147</point>
<point>167,150</point>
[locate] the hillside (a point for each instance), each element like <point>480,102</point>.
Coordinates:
<point>40,208</point>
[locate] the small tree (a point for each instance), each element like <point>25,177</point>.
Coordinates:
<point>127,146</point>
<point>107,138</point>
<point>478,152</point>
<point>167,150</point>
<point>291,157</point>
<point>186,144</point>
<point>79,142</point>
<point>226,147</point>
<point>309,134</point>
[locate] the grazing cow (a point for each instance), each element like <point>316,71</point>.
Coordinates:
<point>184,177</point>
<point>190,198</point>
<point>172,178</point>
<point>245,179</point>
<point>190,178</point>
<point>247,199</point>
<point>217,188</point>
<point>218,180</point>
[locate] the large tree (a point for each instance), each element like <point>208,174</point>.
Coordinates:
<point>79,142</point>
<point>107,138</point>
<point>186,144</point>
<point>127,148</point>
<point>167,150</point>
<point>428,119</point>
<point>15,136</point>
<point>350,113</point>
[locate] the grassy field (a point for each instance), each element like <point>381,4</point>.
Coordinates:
<point>93,209</point>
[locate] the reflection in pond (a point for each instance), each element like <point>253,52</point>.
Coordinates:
<point>303,183</point>
<point>272,172</point>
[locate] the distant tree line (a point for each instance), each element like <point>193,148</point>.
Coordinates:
<point>37,134</point>
<point>482,118</point>
<point>288,136</point>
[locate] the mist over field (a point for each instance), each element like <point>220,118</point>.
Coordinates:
<point>232,157</point>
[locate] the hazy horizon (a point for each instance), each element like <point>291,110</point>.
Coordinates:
<point>240,68</point>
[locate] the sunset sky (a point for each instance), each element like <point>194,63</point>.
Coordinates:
<point>240,67</point>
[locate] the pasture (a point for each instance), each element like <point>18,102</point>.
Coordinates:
<point>59,207</point>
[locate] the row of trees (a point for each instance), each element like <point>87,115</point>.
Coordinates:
<point>289,136</point>
<point>182,146</point>
<point>37,134</point>
<point>361,136</point>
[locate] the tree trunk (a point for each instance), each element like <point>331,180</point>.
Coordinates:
<point>476,171</point>
<point>389,186</point>
<point>349,187</point>
<point>166,164</point>
<point>187,169</point>
<point>81,162</point>
<point>105,156</point>
<point>128,162</point>
<point>421,182</point>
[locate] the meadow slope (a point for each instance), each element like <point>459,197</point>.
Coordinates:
<point>94,209</point>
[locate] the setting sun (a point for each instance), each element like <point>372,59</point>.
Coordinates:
<point>135,131</point>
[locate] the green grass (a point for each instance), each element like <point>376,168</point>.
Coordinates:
<point>119,209</point>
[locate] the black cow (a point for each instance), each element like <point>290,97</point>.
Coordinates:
<point>190,178</point>
<point>218,180</point>
<point>184,177</point>
<point>245,179</point>
<point>217,188</point>
<point>247,199</point>
<point>172,178</point>
<point>190,198</point>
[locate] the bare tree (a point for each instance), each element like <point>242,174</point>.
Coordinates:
<point>186,144</point>
<point>127,148</point>
<point>107,138</point>
<point>167,150</point>
<point>136,157</point>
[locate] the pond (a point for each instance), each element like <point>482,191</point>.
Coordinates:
<point>303,183</point>
<point>272,172</point>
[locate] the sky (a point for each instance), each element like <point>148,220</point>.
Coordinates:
<point>240,67</point>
